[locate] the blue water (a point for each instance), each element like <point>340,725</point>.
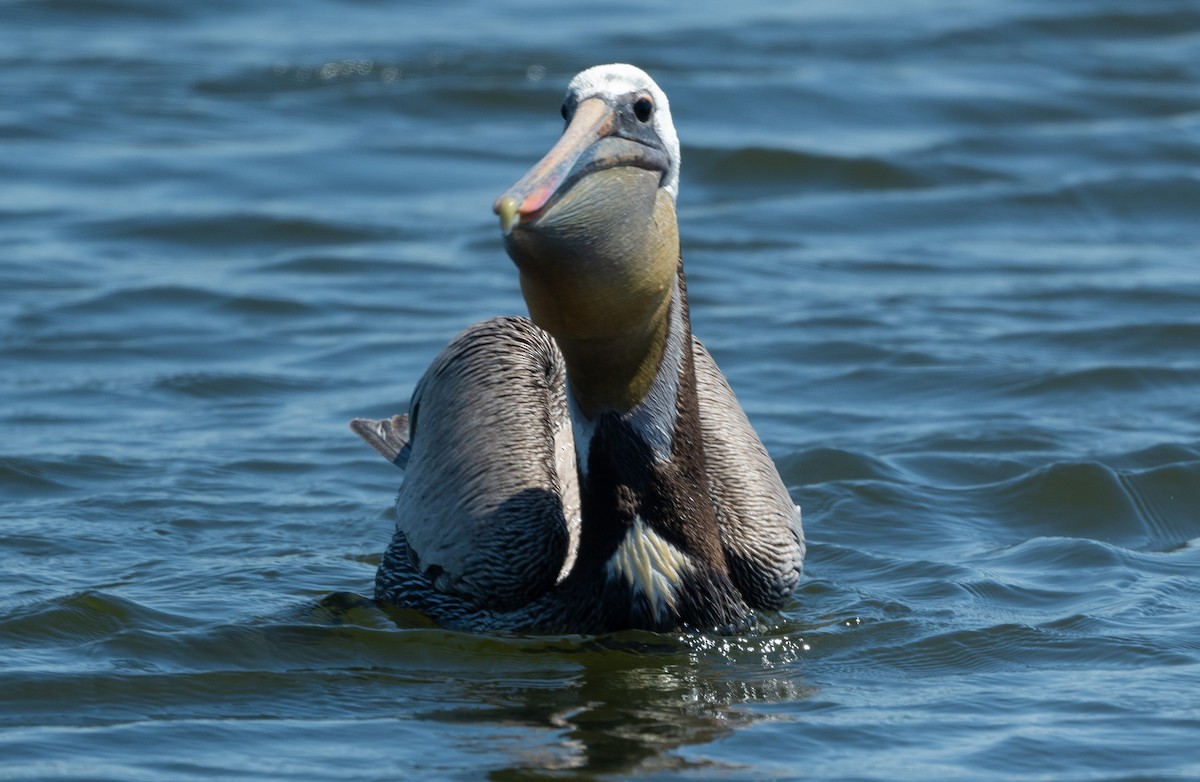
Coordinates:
<point>946,252</point>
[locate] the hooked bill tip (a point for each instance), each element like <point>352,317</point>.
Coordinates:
<point>506,207</point>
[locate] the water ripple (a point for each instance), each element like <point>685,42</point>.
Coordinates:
<point>944,253</point>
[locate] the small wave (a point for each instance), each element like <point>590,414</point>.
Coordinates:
<point>1008,647</point>
<point>1150,509</point>
<point>28,476</point>
<point>1157,456</point>
<point>123,300</point>
<point>271,306</point>
<point>758,166</point>
<point>216,385</point>
<point>333,265</point>
<point>82,617</point>
<point>151,320</point>
<point>1167,500</point>
<point>1133,340</point>
<point>834,352</point>
<point>240,230</point>
<point>1082,23</point>
<point>1148,198</point>
<point>770,171</point>
<point>1145,21</point>
<point>24,476</point>
<point>113,10</point>
<point>1107,381</point>
<point>824,465</point>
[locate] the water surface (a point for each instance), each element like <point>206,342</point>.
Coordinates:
<point>945,251</point>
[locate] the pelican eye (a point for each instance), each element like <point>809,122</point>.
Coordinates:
<point>565,111</point>
<point>642,109</point>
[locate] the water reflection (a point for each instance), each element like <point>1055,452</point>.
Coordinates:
<point>626,703</point>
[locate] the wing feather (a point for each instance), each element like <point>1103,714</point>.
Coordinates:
<point>759,524</point>
<point>489,507</point>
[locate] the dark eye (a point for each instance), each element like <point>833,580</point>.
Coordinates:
<point>642,109</point>
<point>565,111</point>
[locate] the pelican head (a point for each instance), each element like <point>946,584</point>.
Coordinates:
<point>593,232</point>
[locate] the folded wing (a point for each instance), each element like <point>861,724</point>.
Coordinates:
<point>759,524</point>
<point>489,507</point>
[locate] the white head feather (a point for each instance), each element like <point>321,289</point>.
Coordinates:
<point>618,79</point>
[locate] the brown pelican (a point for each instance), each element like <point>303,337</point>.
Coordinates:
<point>588,469</point>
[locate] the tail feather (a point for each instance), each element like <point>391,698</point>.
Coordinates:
<point>388,436</point>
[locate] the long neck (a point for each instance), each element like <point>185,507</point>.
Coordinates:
<point>648,463</point>
<point>608,304</point>
<point>617,372</point>
<point>654,413</point>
